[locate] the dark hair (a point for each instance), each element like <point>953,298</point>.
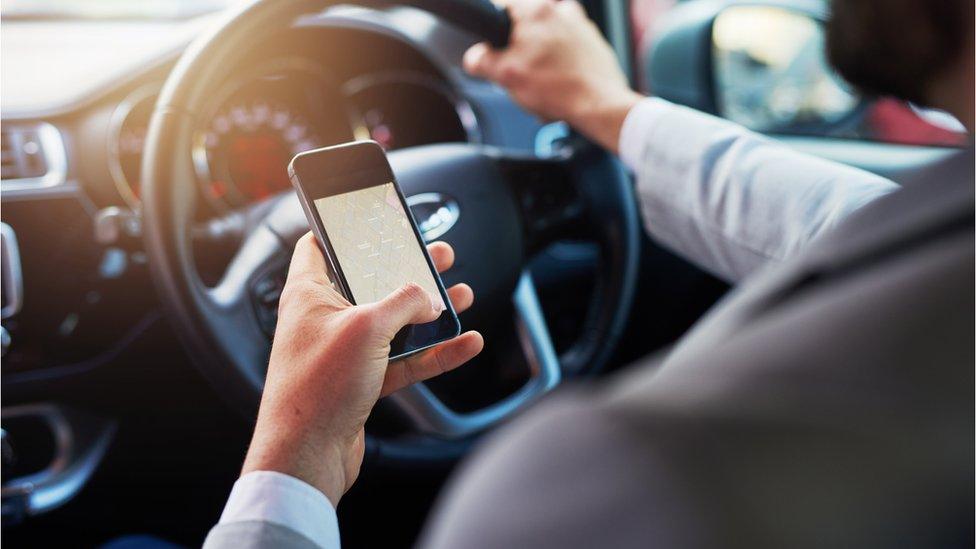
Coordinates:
<point>897,47</point>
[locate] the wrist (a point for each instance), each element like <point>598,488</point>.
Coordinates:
<point>321,465</point>
<point>601,117</point>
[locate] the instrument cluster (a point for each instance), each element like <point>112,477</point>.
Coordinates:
<point>259,120</point>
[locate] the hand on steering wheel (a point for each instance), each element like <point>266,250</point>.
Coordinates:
<point>559,66</point>
<point>329,366</point>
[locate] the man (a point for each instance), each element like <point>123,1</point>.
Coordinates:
<point>827,402</point>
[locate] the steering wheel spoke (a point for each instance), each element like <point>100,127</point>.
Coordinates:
<point>431,416</point>
<point>252,283</point>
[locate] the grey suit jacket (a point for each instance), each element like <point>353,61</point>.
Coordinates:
<point>828,403</point>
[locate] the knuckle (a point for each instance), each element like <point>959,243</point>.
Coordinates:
<point>511,75</point>
<point>479,61</point>
<point>413,292</point>
<point>442,366</point>
<point>295,292</point>
<point>541,9</point>
<point>410,374</point>
<point>483,70</point>
<point>363,317</point>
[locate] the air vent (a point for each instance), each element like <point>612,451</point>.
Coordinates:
<point>32,156</point>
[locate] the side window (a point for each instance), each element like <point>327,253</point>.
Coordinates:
<point>764,67</point>
<point>645,18</point>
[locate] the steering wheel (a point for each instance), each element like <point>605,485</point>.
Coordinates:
<point>509,206</point>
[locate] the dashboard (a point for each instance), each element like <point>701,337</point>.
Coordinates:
<point>73,154</point>
<point>286,104</point>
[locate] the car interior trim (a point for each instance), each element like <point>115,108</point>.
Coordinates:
<point>119,117</point>
<point>75,460</point>
<point>13,278</point>
<point>51,144</point>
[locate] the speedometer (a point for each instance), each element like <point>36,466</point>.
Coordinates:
<point>261,120</point>
<point>248,146</point>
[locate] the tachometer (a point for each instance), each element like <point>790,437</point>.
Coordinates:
<point>248,147</point>
<point>259,122</point>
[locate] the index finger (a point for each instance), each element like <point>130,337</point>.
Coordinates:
<point>442,254</point>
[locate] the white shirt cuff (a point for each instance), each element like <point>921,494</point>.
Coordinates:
<point>633,134</point>
<point>281,499</point>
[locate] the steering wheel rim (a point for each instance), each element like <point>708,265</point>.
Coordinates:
<point>213,324</point>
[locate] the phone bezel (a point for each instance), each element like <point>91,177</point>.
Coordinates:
<point>315,174</point>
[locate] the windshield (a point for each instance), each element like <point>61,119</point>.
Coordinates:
<point>109,9</point>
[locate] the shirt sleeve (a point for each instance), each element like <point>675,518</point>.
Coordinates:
<point>268,496</point>
<point>729,199</point>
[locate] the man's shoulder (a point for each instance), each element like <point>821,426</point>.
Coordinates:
<point>570,473</point>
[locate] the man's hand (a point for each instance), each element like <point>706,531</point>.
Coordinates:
<point>558,66</point>
<point>329,365</point>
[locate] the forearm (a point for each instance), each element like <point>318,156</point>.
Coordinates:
<point>729,199</point>
<point>300,452</point>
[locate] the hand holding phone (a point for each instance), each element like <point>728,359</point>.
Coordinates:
<point>368,235</point>
<point>324,380</point>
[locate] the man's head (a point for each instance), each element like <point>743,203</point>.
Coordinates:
<point>904,48</point>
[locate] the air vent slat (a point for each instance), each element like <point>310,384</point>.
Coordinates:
<point>10,165</point>
<point>32,156</point>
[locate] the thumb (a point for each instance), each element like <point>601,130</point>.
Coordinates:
<point>410,304</point>
<point>481,60</point>
<point>307,260</point>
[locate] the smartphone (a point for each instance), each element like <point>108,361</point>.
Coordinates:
<point>368,235</point>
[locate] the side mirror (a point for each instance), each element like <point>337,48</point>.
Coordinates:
<point>761,65</point>
<point>770,72</point>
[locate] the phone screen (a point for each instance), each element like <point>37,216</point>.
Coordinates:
<point>374,242</point>
<point>361,219</point>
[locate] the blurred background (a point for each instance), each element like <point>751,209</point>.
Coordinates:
<point>771,75</point>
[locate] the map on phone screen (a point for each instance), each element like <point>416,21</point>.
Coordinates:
<point>375,244</point>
